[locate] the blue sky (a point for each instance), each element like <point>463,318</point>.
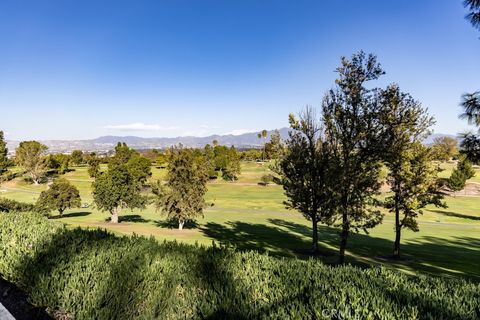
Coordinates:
<point>81,69</point>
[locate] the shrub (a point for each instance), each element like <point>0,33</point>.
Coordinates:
<point>8,205</point>
<point>92,274</point>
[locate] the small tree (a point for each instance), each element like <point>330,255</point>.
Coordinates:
<point>411,176</point>
<point>303,171</point>
<point>457,180</point>
<point>29,155</point>
<point>226,160</point>
<point>466,167</point>
<point>77,157</point>
<point>4,162</point>
<point>94,167</point>
<point>182,199</point>
<point>60,196</point>
<point>58,162</point>
<point>414,185</point>
<point>274,148</point>
<point>460,175</point>
<point>117,189</point>
<point>266,179</point>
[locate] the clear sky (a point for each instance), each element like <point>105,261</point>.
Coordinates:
<point>74,69</point>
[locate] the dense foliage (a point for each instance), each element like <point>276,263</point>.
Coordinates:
<point>117,189</point>
<point>29,156</point>
<point>352,131</point>
<point>4,162</point>
<point>303,171</point>
<point>9,205</point>
<point>91,274</point>
<point>182,198</point>
<point>61,195</point>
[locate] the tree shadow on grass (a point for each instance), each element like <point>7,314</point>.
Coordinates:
<point>71,215</point>
<point>256,236</point>
<point>135,218</point>
<point>456,215</point>
<point>173,224</point>
<point>432,255</point>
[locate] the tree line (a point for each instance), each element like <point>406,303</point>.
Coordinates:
<point>331,171</point>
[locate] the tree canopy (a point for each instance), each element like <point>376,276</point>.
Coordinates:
<point>29,155</point>
<point>350,114</point>
<point>182,198</point>
<point>4,162</point>
<point>117,189</point>
<point>304,171</point>
<point>60,196</point>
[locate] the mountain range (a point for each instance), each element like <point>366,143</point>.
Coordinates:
<point>107,143</point>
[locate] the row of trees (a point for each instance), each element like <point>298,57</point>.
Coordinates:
<point>331,171</point>
<point>181,198</point>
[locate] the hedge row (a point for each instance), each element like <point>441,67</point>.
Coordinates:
<point>92,274</point>
<point>9,205</point>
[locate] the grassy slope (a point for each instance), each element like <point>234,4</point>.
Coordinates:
<point>253,217</point>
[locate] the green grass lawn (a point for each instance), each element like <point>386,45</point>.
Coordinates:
<point>252,217</point>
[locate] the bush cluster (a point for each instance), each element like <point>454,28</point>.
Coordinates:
<point>92,274</point>
<point>9,205</point>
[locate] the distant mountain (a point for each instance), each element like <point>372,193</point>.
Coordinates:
<point>107,143</point>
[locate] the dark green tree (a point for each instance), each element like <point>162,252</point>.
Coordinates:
<point>460,175</point>
<point>411,176</point>
<point>182,198</point>
<point>29,155</point>
<point>93,166</point>
<point>77,157</point>
<point>140,168</point>
<point>227,162</point>
<point>466,167</point>
<point>122,154</point>
<point>350,113</point>
<point>303,171</point>
<point>457,180</point>
<point>117,189</point>
<point>61,195</point>
<point>4,162</point>
<point>58,162</point>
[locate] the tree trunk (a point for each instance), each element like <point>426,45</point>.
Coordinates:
<point>180,224</point>
<point>60,211</point>
<point>396,246</point>
<point>315,236</point>
<point>114,218</point>
<point>398,229</point>
<point>343,238</point>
